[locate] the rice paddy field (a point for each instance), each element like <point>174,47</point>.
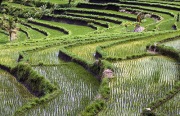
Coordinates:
<point>77,85</point>
<point>13,94</point>
<point>174,44</point>
<point>139,82</point>
<point>60,50</point>
<point>169,108</point>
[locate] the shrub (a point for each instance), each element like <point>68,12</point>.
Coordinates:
<point>36,83</point>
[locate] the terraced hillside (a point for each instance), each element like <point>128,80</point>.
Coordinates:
<point>90,58</point>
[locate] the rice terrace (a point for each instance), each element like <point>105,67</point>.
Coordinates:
<point>90,57</point>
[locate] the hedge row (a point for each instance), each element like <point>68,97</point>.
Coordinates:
<point>103,18</point>
<point>170,7</point>
<point>95,12</point>
<point>93,26</point>
<point>25,32</point>
<point>102,54</point>
<point>89,37</point>
<point>37,29</point>
<point>149,9</point>
<point>36,83</point>
<point>40,3</point>
<point>65,31</point>
<point>73,20</point>
<point>163,2</point>
<point>36,101</point>
<point>5,67</point>
<point>167,51</point>
<point>117,7</point>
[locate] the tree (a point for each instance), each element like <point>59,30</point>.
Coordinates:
<point>9,25</point>
<point>140,16</point>
<point>69,2</point>
<point>1,1</point>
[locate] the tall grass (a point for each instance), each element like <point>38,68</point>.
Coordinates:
<point>74,29</point>
<point>135,47</point>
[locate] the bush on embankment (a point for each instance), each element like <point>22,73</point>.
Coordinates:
<point>96,68</point>
<point>166,51</point>
<point>36,83</point>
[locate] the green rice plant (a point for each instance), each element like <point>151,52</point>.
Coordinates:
<point>135,47</point>
<point>33,33</point>
<point>166,25</point>
<point>139,82</point>
<point>74,29</point>
<point>174,44</point>
<point>156,5</point>
<point>162,2</point>
<point>109,13</point>
<point>47,25</point>
<point>13,94</point>
<point>171,107</point>
<point>9,56</point>
<point>46,56</point>
<point>52,32</point>
<point>86,51</point>
<point>111,21</point>
<point>77,85</point>
<point>127,49</point>
<point>21,36</point>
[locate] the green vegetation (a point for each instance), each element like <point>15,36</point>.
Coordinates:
<point>174,44</point>
<point>13,94</point>
<point>77,85</point>
<point>138,83</point>
<point>87,58</point>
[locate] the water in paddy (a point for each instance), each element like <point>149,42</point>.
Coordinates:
<point>78,88</point>
<point>12,94</point>
<point>47,56</point>
<point>139,82</point>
